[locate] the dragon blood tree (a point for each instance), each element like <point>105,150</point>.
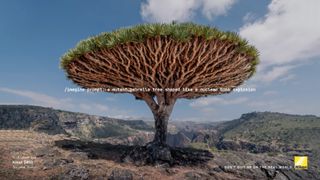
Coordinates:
<point>164,56</point>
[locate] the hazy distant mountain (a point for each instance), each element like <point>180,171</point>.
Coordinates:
<point>256,132</point>
<point>54,121</point>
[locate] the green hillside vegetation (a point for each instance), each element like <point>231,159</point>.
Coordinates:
<point>294,131</point>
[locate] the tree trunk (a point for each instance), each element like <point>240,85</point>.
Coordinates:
<point>161,117</point>
<point>161,125</point>
<point>158,150</point>
<point>161,109</point>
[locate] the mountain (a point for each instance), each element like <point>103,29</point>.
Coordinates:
<point>30,117</point>
<point>80,143</point>
<point>283,132</point>
<point>256,131</point>
<point>80,125</point>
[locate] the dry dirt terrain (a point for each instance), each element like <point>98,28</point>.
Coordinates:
<point>51,162</point>
<point>31,155</point>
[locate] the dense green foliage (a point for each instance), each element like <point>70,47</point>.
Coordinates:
<point>178,31</point>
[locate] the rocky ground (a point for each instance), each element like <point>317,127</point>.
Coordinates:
<point>31,155</point>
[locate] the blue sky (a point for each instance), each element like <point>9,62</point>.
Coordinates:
<point>34,34</point>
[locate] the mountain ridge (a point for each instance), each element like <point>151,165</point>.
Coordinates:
<point>271,131</point>
<point>87,137</point>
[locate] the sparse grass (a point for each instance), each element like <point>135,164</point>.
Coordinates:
<point>272,153</point>
<point>199,145</point>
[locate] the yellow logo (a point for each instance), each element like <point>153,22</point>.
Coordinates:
<point>301,162</point>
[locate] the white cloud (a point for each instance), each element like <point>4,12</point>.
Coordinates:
<point>212,8</point>
<point>168,10</point>
<point>288,34</point>
<point>288,78</point>
<point>209,101</point>
<point>249,17</point>
<point>273,74</point>
<point>182,10</point>
<point>39,98</point>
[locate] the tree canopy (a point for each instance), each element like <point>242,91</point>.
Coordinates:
<point>180,32</point>
<point>162,56</point>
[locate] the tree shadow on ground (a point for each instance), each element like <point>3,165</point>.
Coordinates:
<point>138,155</point>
